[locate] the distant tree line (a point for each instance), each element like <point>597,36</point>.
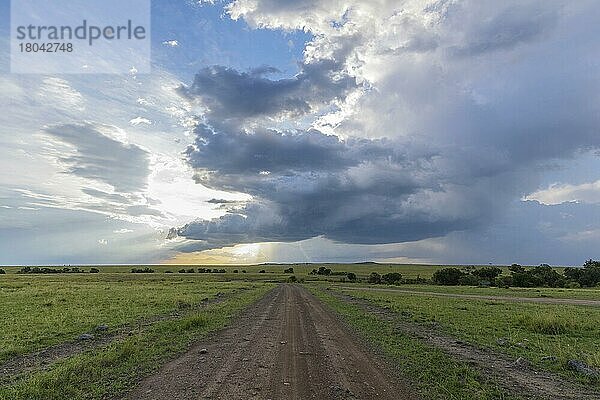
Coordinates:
<point>46,270</point>
<point>202,271</point>
<point>540,276</point>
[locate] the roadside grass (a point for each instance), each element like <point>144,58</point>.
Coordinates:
<point>436,375</point>
<point>40,311</point>
<point>528,330</point>
<point>107,372</point>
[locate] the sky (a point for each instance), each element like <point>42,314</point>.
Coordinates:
<point>427,131</point>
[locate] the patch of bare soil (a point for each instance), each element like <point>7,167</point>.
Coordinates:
<point>286,346</point>
<point>16,367</point>
<point>543,300</point>
<point>516,376</point>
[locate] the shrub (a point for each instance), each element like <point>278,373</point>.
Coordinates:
<point>543,275</point>
<point>262,271</point>
<point>468,280</point>
<point>516,268</point>
<point>522,279</point>
<point>322,271</point>
<point>146,270</point>
<point>374,278</point>
<point>573,285</point>
<point>2,272</point>
<point>288,270</point>
<point>94,270</point>
<point>235,271</point>
<point>243,271</point>
<point>392,278</point>
<point>447,276</point>
<point>547,276</point>
<point>351,276</point>
<point>504,281</point>
<point>292,279</point>
<point>487,273</point>
<point>168,272</point>
<point>589,275</point>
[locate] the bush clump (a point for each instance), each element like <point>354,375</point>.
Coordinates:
<point>375,278</point>
<point>146,270</point>
<point>448,276</point>
<point>393,278</point>
<point>321,271</point>
<point>587,276</point>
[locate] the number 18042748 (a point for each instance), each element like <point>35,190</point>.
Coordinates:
<point>46,47</point>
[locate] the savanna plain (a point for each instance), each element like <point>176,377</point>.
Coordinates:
<point>300,331</point>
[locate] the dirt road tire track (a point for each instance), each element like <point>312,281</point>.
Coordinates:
<point>286,346</point>
<point>540,300</point>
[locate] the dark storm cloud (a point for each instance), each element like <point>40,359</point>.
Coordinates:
<point>308,184</point>
<point>230,94</point>
<point>267,150</point>
<point>470,128</point>
<point>100,157</point>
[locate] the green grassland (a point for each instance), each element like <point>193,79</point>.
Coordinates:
<point>43,310</point>
<point>532,331</point>
<point>105,372</point>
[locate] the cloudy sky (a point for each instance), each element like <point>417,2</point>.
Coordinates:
<point>442,131</point>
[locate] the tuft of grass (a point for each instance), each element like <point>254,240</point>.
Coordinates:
<point>195,322</point>
<point>547,324</point>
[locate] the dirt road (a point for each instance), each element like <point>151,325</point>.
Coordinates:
<point>542,300</point>
<point>286,346</point>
